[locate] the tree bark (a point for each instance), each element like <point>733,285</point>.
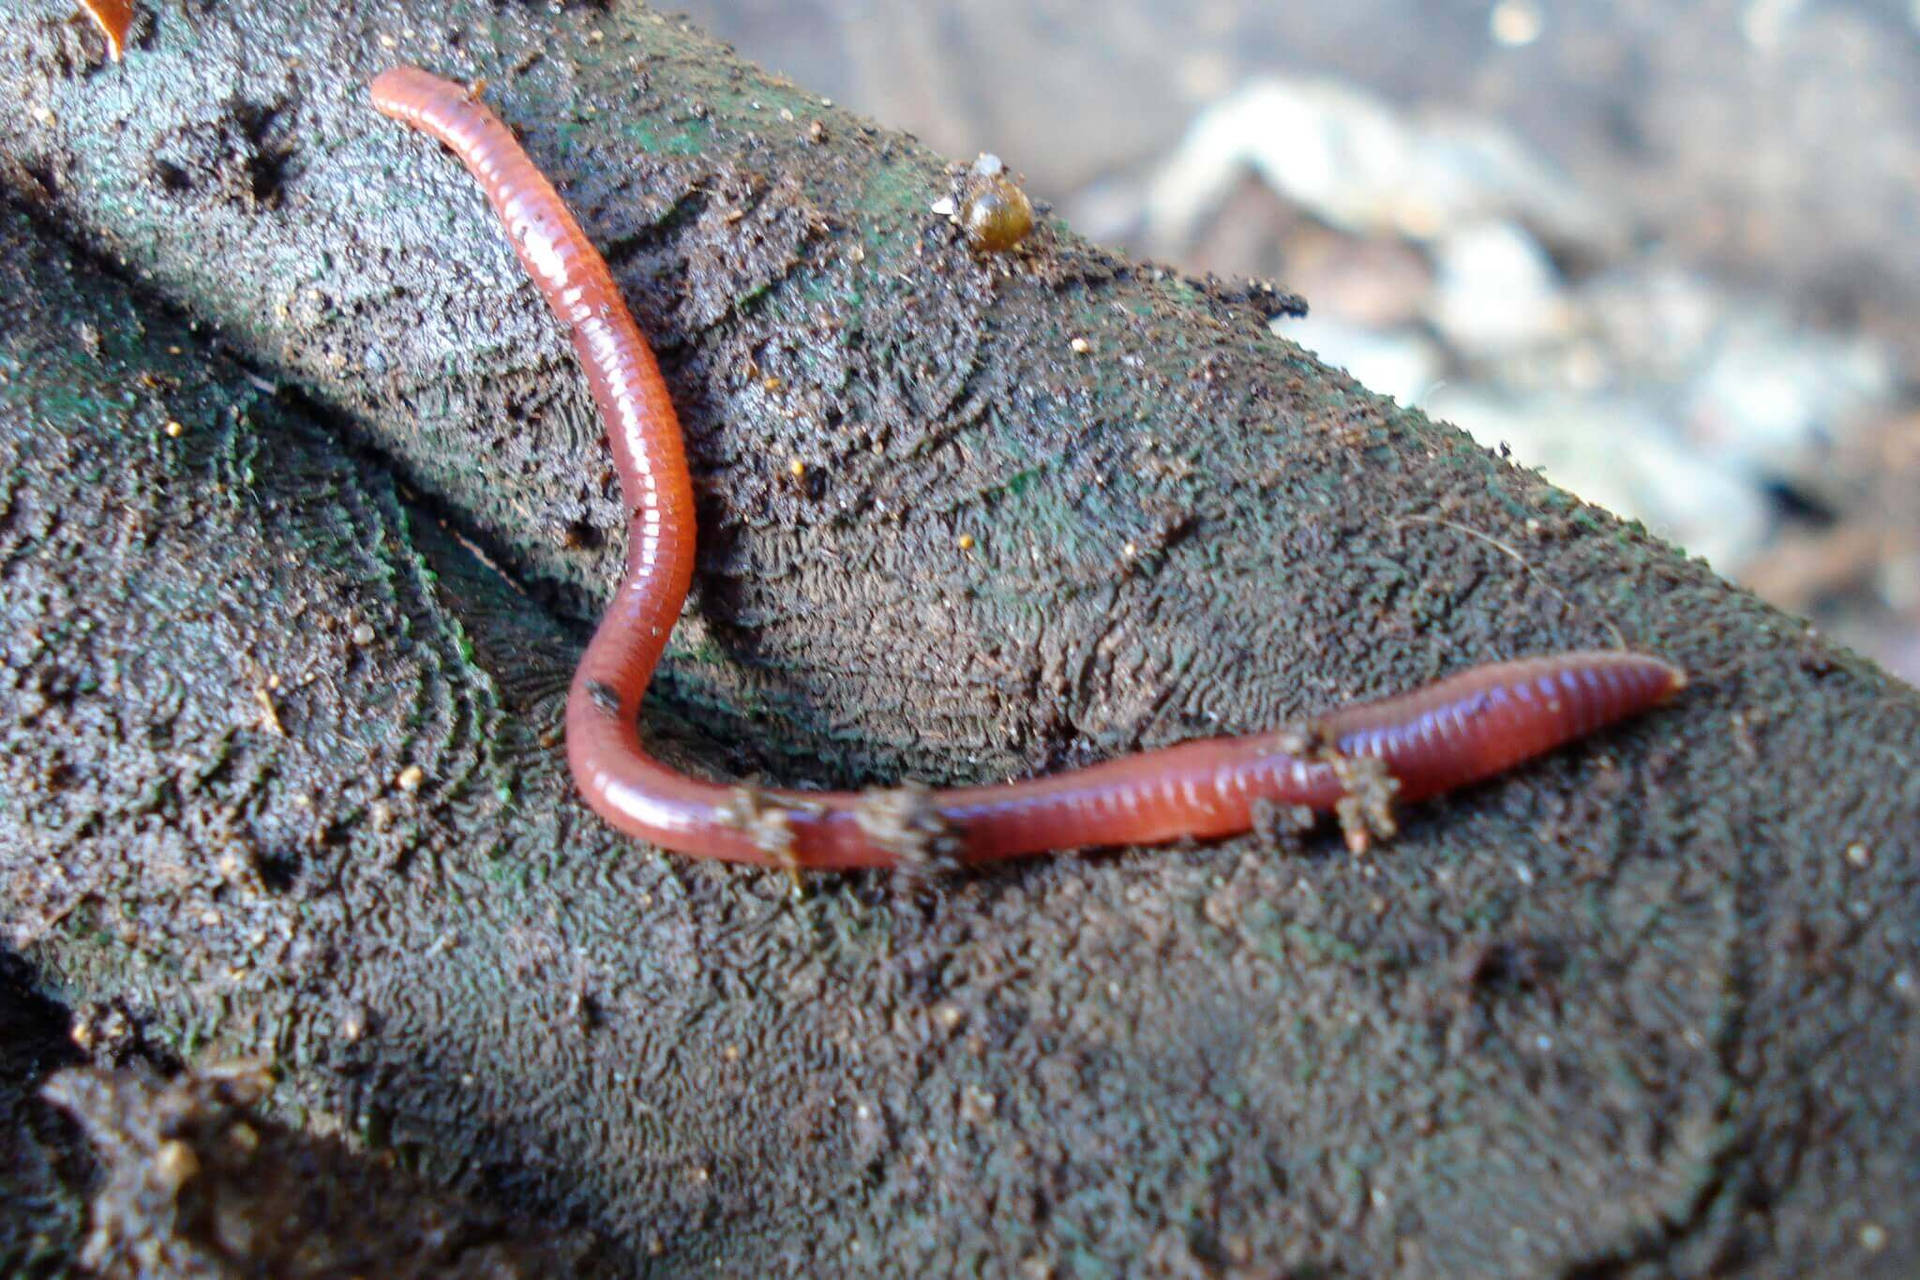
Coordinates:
<point>284,673</point>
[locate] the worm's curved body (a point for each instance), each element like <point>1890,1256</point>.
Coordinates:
<point>1451,733</point>
<point>115,20</point>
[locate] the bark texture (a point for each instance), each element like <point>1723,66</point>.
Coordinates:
<point>282,674</point>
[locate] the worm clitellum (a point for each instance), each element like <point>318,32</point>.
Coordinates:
<point>1457,731</point>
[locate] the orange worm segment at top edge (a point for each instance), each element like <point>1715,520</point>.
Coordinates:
<point>115,20</point>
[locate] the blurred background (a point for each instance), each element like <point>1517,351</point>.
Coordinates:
<point>1669,253</point>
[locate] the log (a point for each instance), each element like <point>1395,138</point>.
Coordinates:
<point>282,687</point>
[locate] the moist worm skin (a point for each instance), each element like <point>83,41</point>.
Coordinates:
<point>115,20</point>
<point>1448,734</point>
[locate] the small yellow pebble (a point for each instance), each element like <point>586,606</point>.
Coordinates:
<point>1081,346</point>
<point>966,542</point>
<point>411,777</point>
<point>797,468</point>
<point>175,1163</point>
<point>174,429</point>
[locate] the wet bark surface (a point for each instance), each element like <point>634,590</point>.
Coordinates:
<point>192,1183</point>
<point>283,674</point>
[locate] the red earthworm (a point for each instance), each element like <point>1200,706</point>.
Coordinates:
<point>115,19</point>
<point>1454,732</point>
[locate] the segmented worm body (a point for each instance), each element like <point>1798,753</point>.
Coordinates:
<point>115,20</point>
<point>1443,736</point>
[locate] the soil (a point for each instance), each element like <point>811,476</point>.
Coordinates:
<point>193,1183</point>
<point>306,513</point>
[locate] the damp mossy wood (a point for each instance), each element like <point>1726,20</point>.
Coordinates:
<point>285,673</point>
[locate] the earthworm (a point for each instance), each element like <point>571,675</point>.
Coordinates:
<point>115,20</point>
<point>1448,734</point>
